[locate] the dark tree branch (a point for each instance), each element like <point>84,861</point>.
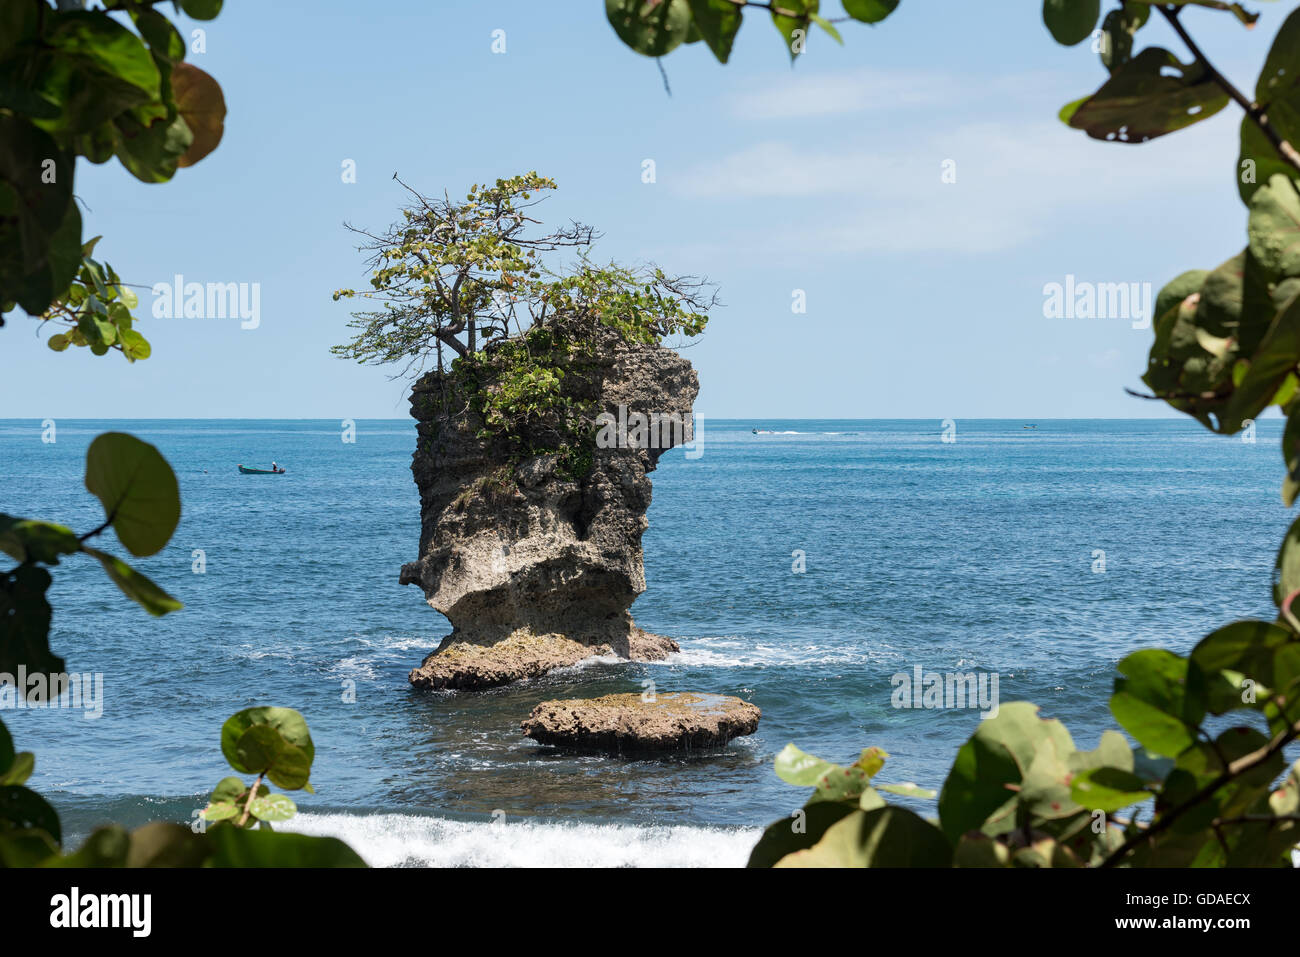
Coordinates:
<point>1254,110</point>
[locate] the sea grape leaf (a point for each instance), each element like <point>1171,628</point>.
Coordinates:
<point>1277,91</point>
<point>801,830</point>
<point>137,488</point>
<point>869,11</point>
<point>25,622</point>
<point>1151,701</point>
<point>650,27</point>
<point>135,585</point>
<point>998,754</point>
<point>1070,21</point>
<point>31,540</point>
<point>1149,96</point>
<point>1274,226</point>
<point>718,22</point>
<point>274,741</point>
<point>233,847</point>
<point>886,837</point>
<point>203,108</point>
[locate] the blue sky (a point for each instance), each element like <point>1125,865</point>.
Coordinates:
<point>924,298</point>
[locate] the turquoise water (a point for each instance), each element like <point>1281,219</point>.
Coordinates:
<point>975,555</point>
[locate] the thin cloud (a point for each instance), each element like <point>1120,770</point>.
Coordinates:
<point>1014,183</point>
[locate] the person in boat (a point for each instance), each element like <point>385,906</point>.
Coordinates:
<point>274,467</point>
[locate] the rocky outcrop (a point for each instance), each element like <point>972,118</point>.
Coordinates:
<point>625,723</point>
<point>530,543</point>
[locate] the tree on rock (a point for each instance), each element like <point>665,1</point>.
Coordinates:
<point>464,275</point>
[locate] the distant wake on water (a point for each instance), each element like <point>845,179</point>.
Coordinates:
<point>407,840</point>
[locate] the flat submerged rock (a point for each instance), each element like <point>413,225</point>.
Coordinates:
<point>472,666</point>
<point>624,722</point>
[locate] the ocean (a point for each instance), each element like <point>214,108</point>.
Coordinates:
<point>800,569</point>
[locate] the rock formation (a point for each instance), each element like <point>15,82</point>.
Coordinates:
<point>530,544</point>
<point>623,722</point>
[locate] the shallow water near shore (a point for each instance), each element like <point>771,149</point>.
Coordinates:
<point>975,555</point>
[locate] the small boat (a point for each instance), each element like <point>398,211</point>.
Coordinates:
<point>244,470</point>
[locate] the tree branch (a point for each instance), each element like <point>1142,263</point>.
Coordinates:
<point>1253,109</point>
<point>1234,770</point>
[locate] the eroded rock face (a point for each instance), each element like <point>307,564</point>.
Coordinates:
<point>624,723</point>
<point>536,558</point>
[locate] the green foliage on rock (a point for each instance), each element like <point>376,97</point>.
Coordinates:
<point>473,278</point>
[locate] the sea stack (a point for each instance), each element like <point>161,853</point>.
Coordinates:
<point>530,543</point>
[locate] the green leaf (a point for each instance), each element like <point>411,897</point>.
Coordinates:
<point>979,850</point>
<point>105,847</point>
<point>997,755</point>
<point>1286,570</point>
<point>1142,100</point>
<point>163,38</point>
<point>800,768</point>
<point>800,831</point>
<point>233,847</point>
<point>1158,730</point>
<point>31,847</point>
<point>22,808</point>
<point>1112,751</point>
<point>20,769</point>
<point>220,811</point>
<point>39,217</point>
<point>1243,649</point>
<point>136,586</point>
<point>161,844</point>
<point>885,837</point>
<point>828,27</point>
<point>1278,93</point>
<point>908,789</point>
<point>870,11</point>
<point>1108,789</point>
<point>25,622</point>
<point>650,27</point>
<point>201,9</point>
<point>794,28</point>
<point>1071,21</point>
<point>6,749</point>
<point>31,540</point>
<point>285,758</point>
<point>718,22</point>
<point>137,488</point>
<point>135,346</point>
<point>1274,360</point>
<point>202,107</point>
<point>1118,31</point>
<point>275,807</point>
<point>1274,226</point>
<point>229,789</point>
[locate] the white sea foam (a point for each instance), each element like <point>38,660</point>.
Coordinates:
<point>354,667</point>
<point>733,652</point>
<point>392,840</point>
<point>424,643</point>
